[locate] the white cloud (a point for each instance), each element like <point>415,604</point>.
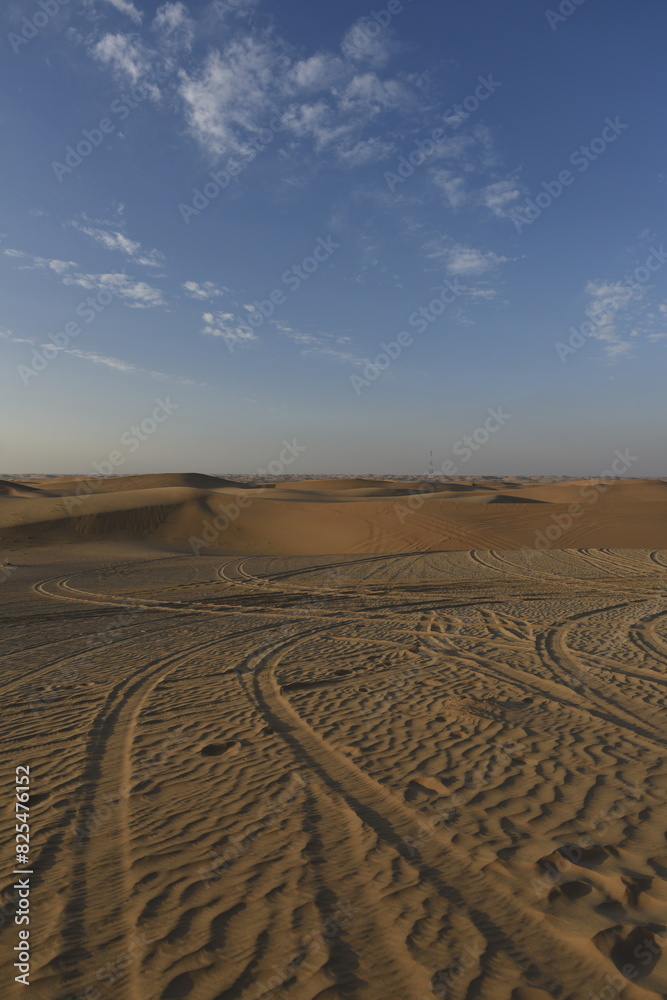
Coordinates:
<point>365,151</point>
<point>319,72</point>
<point>174,27</point>
<point>117,364</point>
<point>30,261</point>
<point>232,96</point>
<point>322,344</point>
<point>452,187</point>
<point>126,56</point>
<point>319,121</point>
<point>363,42</point>
<point>369,94</point>
<point>207,290</point>
<point>126,7</point>
<point>296,335</point>
<point>331,352</point>
<point>252,82</point>
<point>136,294</point>
<point>501,197</point>
<point>235,8</point>
<point>109,240</point>
<point>60,266</point>
<point>235,333</point>
<point>226,100</point>
<point>612,303</point>
<point>236,92</point>
<point>466,261</point>
<point>114,240</point>
<point>8,335</point>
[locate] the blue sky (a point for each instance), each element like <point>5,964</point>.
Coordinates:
<point>466,184</point>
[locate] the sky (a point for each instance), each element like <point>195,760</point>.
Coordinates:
<point>361,232</point>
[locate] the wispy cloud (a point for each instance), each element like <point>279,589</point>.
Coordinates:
<point>114,240</point>
<point>465,261</point>
<point>254,80</point>
<point>452,187</point>
<point>125,55</point>
<point>363,43</point>
<point>128,8</point>
<point>613,309</point>
<point>9,336</point>
<point>206,291</point>
<point>29,261</point>
<point>347,357</point>
<point>227,98</point>
<point>326,345</point>
<point>135,294</point>
<point>501,198</point>
<point>174,27</point>
<point>234,332</point>
<point>126,367</point>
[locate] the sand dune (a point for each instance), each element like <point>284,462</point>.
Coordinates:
<point>84,485</point>
<point>409,776</point>
<point>193,513</point>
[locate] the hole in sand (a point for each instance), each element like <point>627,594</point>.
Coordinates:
<point>217,749</point>
<point>38,797</point>
<point>639,950</point>
<point>575,890</point>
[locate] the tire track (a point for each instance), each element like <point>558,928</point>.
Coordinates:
<point>107,784</point>
<point>447,869</point>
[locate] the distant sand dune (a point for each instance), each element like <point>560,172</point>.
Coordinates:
<point>313,517</point>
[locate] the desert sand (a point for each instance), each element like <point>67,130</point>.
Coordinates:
<point>337,739</point>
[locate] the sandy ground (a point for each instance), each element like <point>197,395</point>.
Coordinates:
<point>355,775</point>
